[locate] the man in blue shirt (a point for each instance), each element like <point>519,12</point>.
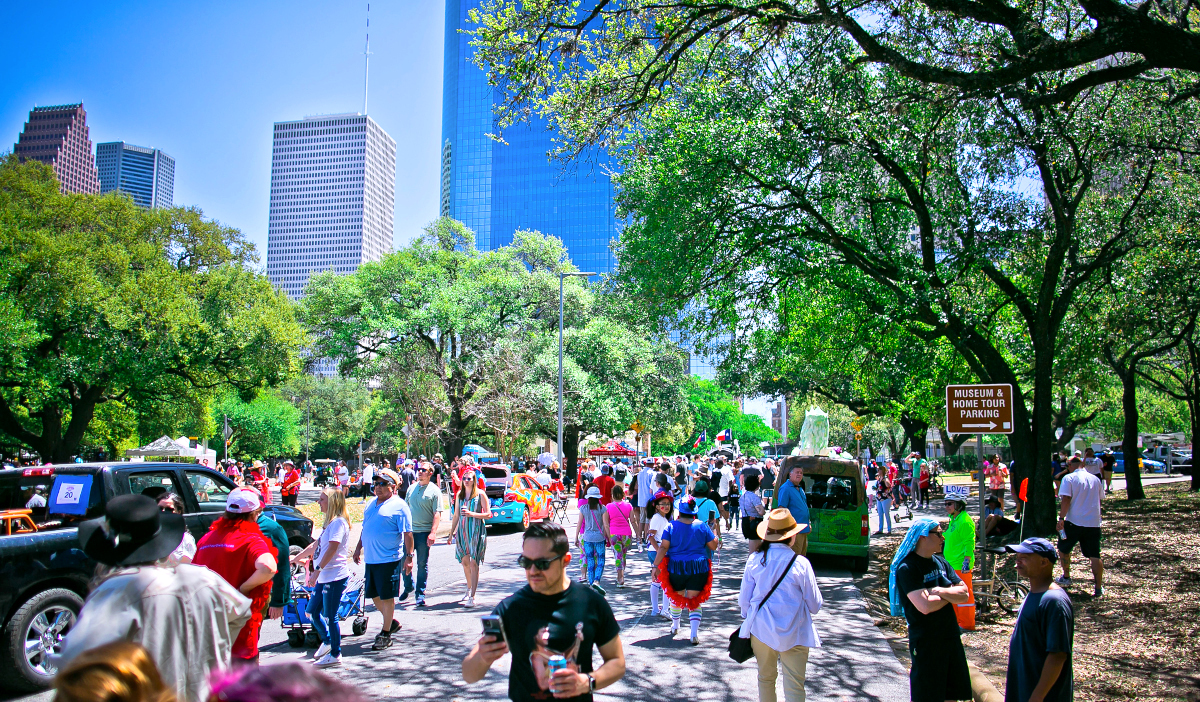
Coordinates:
<point>791,497</point>
<point>386,523</point>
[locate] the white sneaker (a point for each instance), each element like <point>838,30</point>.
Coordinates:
<point>321,651</point>
<point>328,661</point>
<point>470,601</point>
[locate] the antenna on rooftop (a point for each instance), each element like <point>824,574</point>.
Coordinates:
<point>367,59</point>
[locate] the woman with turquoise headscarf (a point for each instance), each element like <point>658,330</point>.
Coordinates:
<point>923,586</point>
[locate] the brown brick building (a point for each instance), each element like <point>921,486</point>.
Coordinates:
<point>58,135</point>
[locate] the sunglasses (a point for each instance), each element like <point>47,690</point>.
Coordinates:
<point>936,532</point>
<point>542,564</point>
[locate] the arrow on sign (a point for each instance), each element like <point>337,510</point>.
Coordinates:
<point>989,425</point>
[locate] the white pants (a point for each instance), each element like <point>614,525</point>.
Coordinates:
<point>795,665</point>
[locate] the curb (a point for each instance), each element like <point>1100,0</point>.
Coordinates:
<point>982,689</point>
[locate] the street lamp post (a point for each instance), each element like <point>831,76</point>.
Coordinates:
<point>558,447</point>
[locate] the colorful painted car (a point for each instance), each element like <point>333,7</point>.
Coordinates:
<point>521,501</point>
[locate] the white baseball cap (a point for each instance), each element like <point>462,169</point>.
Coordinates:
<point>242,500</point>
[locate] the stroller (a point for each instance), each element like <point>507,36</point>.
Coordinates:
<point>299,624</point>
<point>900,508</point>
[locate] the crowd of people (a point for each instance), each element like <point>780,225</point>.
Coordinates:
<point>176,618</point>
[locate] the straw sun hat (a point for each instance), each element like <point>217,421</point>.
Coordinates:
<point>779,526</point>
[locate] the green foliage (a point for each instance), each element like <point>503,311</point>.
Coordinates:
<point>424,319</point>
<point>104,302</point>
<point>266,427</point>
<point>712,408</point>
<point>337,408</point>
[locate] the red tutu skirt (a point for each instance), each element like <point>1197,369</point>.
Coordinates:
<point>664,579</point>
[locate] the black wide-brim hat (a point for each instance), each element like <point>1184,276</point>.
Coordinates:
<point>132,531</point>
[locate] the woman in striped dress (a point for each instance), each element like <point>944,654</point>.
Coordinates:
<point>468,532</point>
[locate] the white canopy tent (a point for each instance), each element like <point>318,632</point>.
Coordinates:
<point>163,447</point>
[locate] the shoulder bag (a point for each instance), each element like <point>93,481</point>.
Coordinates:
<point>739,648</point>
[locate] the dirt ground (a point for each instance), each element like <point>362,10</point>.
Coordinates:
<point>1140,641</point>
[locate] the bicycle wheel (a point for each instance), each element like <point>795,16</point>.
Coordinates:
<point>1010,595</point>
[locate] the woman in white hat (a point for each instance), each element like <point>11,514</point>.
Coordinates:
<point>593,532</point>
<point>778,599</point>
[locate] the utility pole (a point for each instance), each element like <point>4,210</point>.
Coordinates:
<point>562,277</point>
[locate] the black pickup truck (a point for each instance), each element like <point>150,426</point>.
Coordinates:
<point>44,575</point>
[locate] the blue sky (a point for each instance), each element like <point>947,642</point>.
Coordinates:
<point>204,82</point>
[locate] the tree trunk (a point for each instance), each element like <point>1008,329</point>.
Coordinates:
<point>456,430</point>
<point>915,431</point>
<point>570,452</point>
<point>1129,437</point>
<point>953,445</point>
<point>1194,409</point>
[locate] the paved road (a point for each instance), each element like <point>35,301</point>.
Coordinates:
<point>856,662</point>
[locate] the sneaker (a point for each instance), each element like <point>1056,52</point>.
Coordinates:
<point>395,627</point>
<point>1098,592</point>
<point>695,640</point>
<point>597,588</point>
<point>674,628</point>
<point>420,600</point>
<point>321,651</point>
<point>470,601</point>
<point>404,595</point>
<point>1064,582</point>
<point>382,641</point>
<point>328,661</point>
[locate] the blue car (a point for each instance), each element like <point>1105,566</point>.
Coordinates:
<point>1148,465</point>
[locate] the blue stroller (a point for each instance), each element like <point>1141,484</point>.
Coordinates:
<point>299,624</point>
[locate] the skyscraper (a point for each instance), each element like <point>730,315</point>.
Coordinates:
<point>147,175</point>
<point>496,188</point>
<point>58,135</point>
<point>333,191</point>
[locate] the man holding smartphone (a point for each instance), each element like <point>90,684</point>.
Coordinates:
<point>550,625</point>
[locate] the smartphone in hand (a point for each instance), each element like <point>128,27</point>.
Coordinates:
<point>492,625</point>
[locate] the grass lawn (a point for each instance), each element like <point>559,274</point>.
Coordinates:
<point>1141,640</point>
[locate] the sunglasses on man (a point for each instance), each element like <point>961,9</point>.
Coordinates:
<point>542,564</point>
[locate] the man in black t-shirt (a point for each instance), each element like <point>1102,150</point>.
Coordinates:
<point>929,588</point>
<point>551,618</point>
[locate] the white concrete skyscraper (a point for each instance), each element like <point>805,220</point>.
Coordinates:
<point>333,192</point>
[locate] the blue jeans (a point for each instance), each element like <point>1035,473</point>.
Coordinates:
<point>593,551</point>
<point>421,545</point>
<point>326,598</point>
<point>884,508</point>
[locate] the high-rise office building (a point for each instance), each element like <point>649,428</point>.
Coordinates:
<point>497,188</point>
<point>58,135</point>
<point>333,192</point>
<point>147,175</point>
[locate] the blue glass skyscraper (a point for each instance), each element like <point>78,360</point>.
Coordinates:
<point>498,188</point>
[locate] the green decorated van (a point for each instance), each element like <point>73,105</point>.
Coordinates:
<point>837,507</point>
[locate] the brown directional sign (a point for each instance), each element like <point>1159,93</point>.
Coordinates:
<point>979,409</point>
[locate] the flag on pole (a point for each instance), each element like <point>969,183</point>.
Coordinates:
<point>725,435</point>
<point>700,439</point>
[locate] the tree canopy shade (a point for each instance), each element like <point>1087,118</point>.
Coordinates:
<point>602,66</point>
<point>268,425</point>
<point>974,218</point>
<point>101,301</point>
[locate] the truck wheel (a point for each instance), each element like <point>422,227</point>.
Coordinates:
<point>860,564</point>
<point>35,631</point>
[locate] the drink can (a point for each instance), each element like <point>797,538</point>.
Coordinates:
<point>1062,534</point>
<point>556,663</point>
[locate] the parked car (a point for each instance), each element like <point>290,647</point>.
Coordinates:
<point>1147,465</point>
<point>45,574</point>
<point>517,498</point>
